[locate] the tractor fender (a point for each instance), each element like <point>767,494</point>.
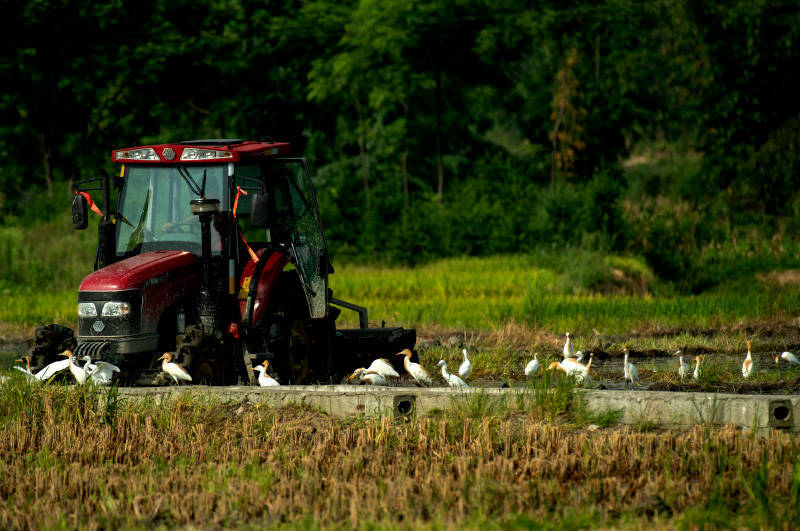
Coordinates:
<point>257,282</point>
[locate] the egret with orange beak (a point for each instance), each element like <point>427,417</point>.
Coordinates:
<point>747,365</point>
<point>175,371</point>
<point>77,371</point>
<point>416,370</point>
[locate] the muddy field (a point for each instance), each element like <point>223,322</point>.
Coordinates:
<point>498,357</point>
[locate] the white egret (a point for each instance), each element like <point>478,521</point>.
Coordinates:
<point>383,367</point>
<point>27,369</point>
<point>682,370</point>
<point>99,373</point>
<point>466,367</point>
<point>579,356</point>
<point>747,365</point>
<point>790,358</point>
<point>569,349</point>
<point>264,379</point>
<point>52,369</point>
<point>44,374</point>
<point>369,376</point>
<point>77,371</point>
<point>416,370</point>
<point>451,379</point>
<point>175,371</point>
<point>630,371</point>
<point>696,373</point>
<point>572,368</point>
<point>533,365</point>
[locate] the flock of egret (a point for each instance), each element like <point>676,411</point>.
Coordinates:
<point>99,373</point>
<point>381,372</point>
<point>572,364</point>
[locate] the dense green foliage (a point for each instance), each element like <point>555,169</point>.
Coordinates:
<point>442,128</point>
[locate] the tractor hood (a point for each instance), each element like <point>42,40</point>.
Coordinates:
<point>161,278</point>
<point>143,271</point>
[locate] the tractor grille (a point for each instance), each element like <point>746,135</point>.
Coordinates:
<point>93,349</point>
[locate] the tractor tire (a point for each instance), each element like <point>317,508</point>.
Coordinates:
<point>285,331</point>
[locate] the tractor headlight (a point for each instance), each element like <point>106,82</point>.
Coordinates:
<point>136,154</point>
<point>202,154</point>
<point>116,309</point>
<point>87,309</point>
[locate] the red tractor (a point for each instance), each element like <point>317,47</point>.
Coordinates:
<point>215,252</point>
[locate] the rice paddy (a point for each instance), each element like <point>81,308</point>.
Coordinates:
<point>82,458</point>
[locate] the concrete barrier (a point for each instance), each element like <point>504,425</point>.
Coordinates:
<point>657,408</point>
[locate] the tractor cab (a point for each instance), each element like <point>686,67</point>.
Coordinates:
<point>155,213</point>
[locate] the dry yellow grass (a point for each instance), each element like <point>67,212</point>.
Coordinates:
<point>67,462</point>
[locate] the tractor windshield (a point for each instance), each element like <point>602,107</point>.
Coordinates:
<point>155,212</point>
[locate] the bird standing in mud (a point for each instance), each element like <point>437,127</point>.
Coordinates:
<point>747,365</point>
<point>264,379</point>
<point>682,370</point>
<point>533,365</point>
<point>466,366</point>
<point>451,379</point>
<point>630,371</point>
<point>99,373</point>
<point>788,357</point>
<point>416,370</point>
<point>569,349</point>
<point>175,371</point>
<point>696,373</point>
<point>77,371</point>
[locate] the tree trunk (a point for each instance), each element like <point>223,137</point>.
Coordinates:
<point>404,160</point>
<point>440,165</point>
<point>46,152</point>
<point>362,152</point>
<point>562,101</point>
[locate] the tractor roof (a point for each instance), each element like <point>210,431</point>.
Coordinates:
<point>201,151</point>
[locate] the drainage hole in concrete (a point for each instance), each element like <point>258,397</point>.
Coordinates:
<point>404,407</point>
<point>781,413</point>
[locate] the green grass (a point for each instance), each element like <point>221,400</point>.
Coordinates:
<point>486,293</point>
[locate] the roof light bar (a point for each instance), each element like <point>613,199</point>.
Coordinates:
<point>204,154</point>
<point>137,154</point>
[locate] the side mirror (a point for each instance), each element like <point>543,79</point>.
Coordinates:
<point>259,211</point>
<point>80,212</point>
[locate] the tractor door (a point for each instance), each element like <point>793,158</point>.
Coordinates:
<point>297,214</point>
